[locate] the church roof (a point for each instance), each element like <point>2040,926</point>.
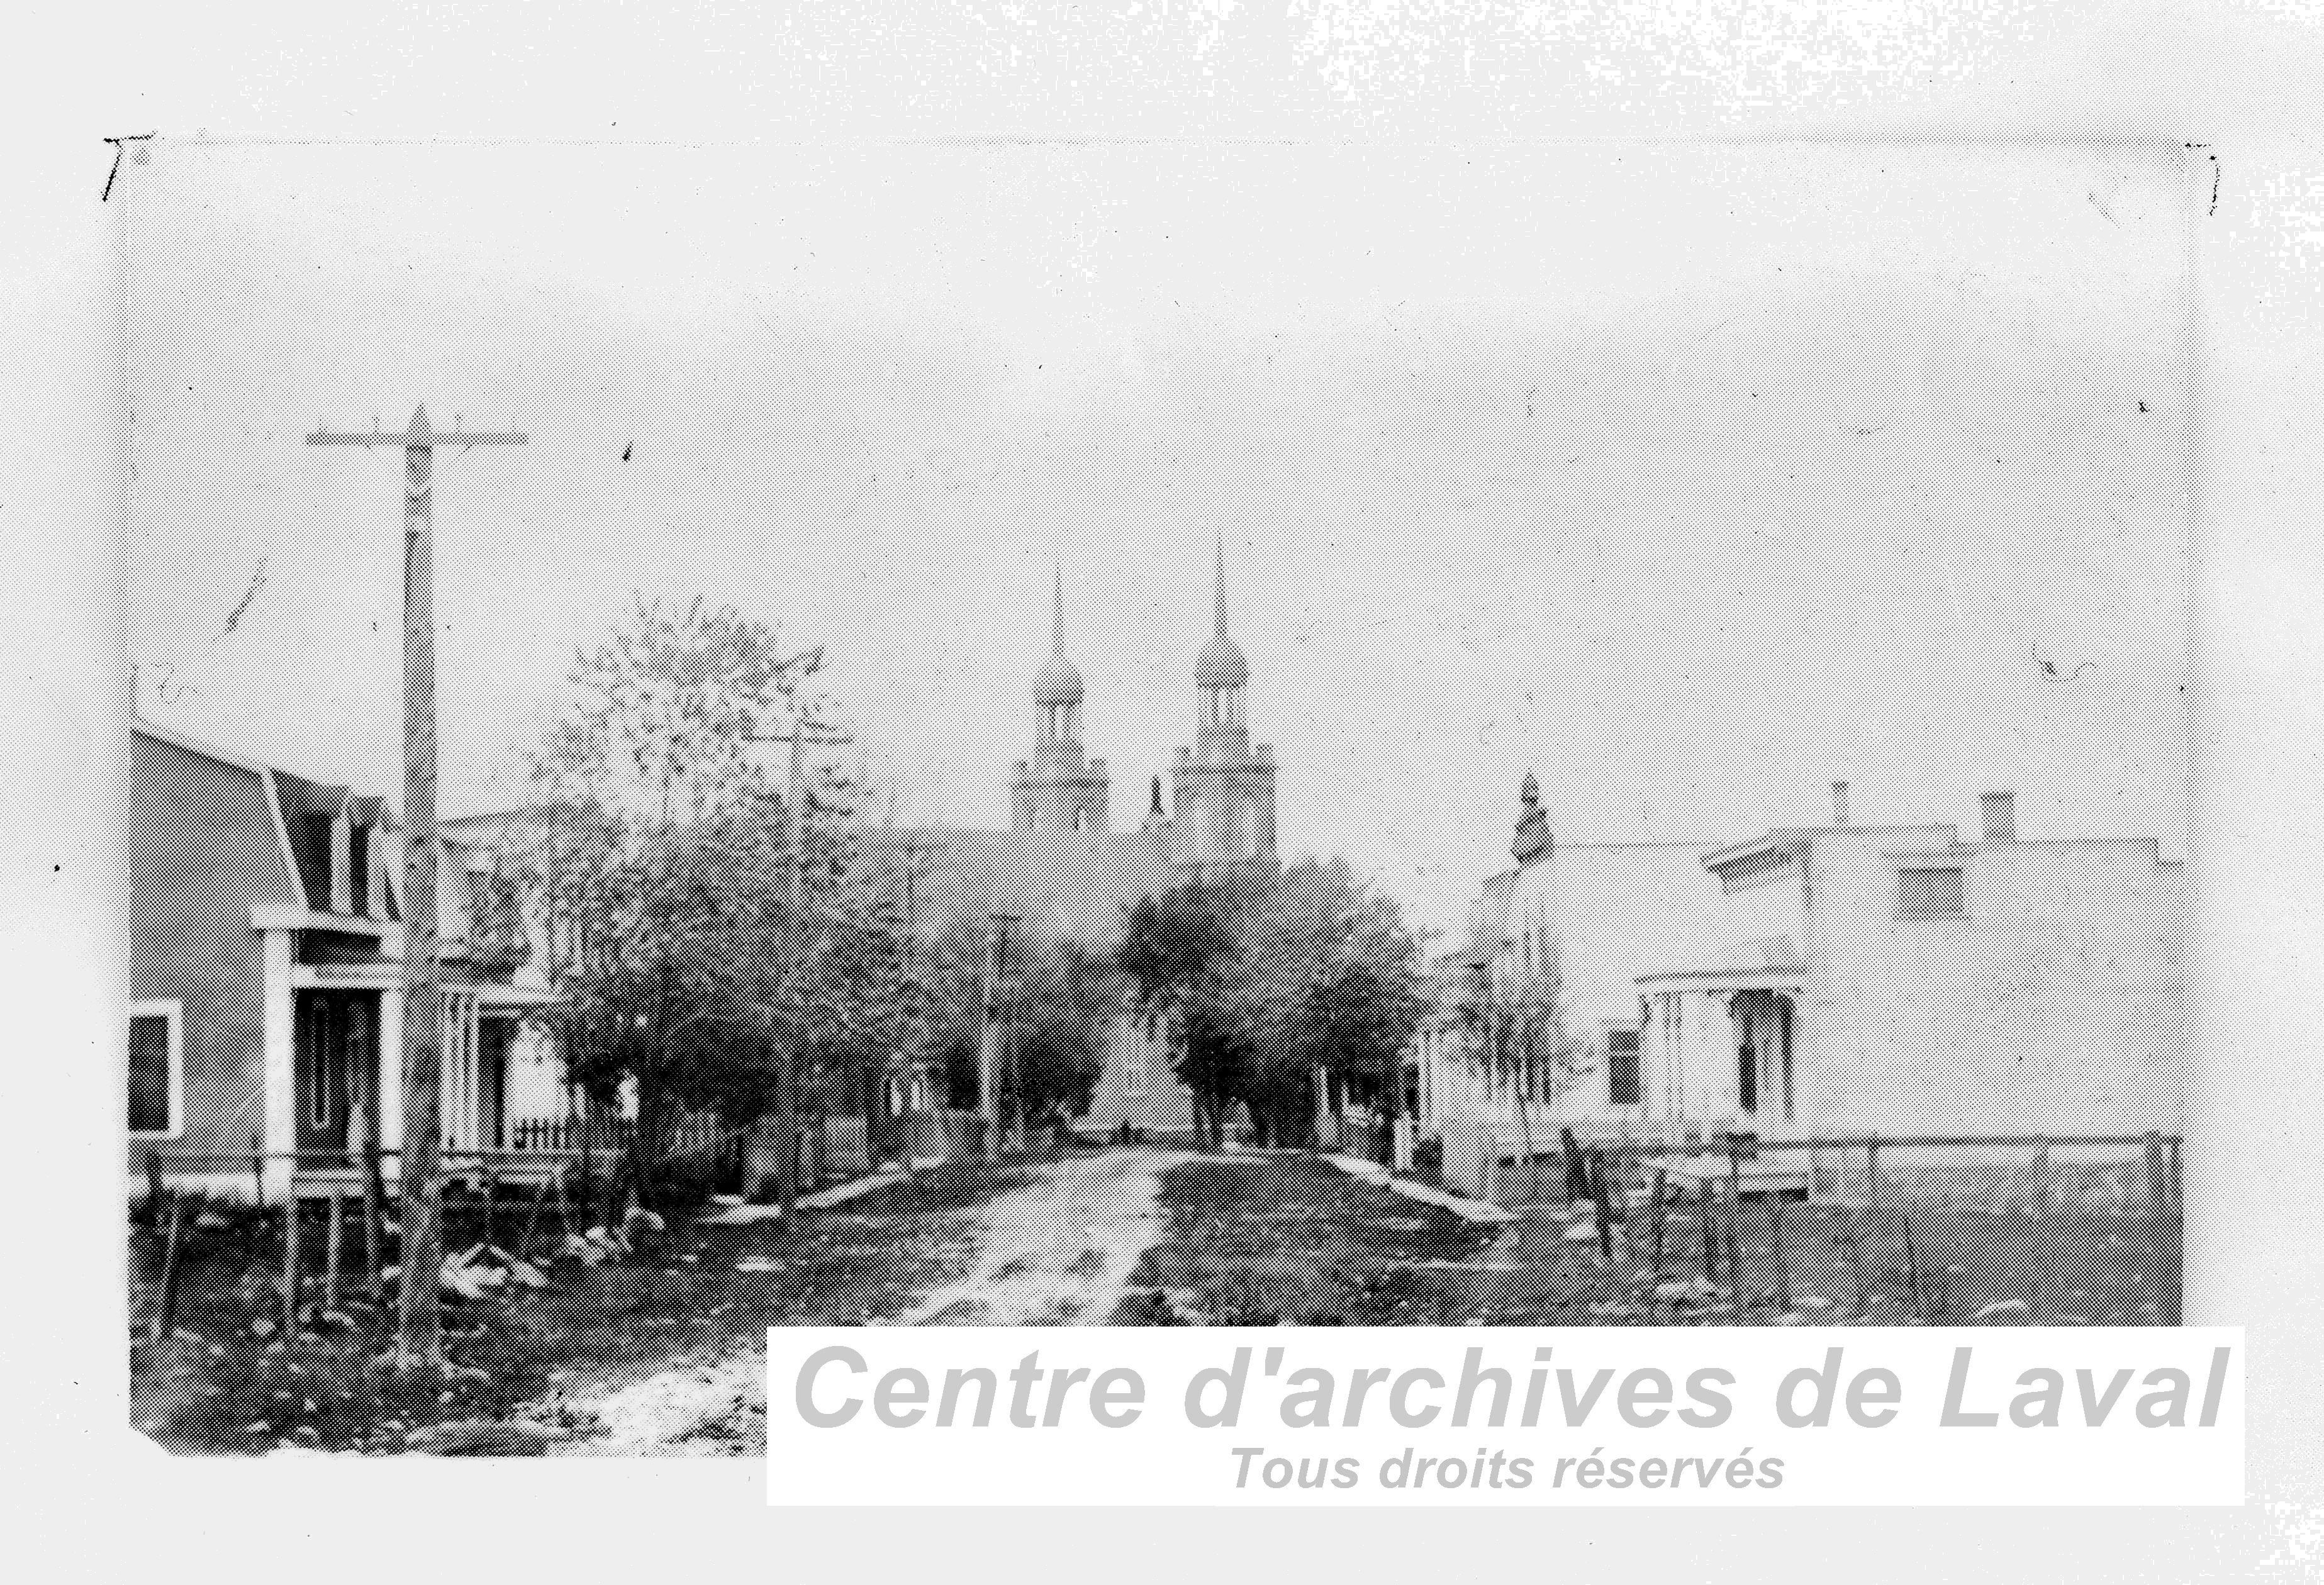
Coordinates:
<point>1058,682</point>
<point>1071,886</point>
<point>1221,665</point>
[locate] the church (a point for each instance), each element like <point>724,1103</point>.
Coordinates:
<point>1062,869</point>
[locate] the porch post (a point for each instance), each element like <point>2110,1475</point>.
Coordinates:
<point>390,1071</point>
<point>278,1125</point>
<point>461,1017</point>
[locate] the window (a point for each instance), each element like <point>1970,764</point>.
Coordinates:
<point>157,1074</point>
<point>1622,1068</point>
<point>1929,894</point>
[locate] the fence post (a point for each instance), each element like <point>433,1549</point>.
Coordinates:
<point>1911,1264</point>
<point>258,1171</point>
<point>331,1248</point>
<point>1657,1267</point>
<point>1735,1217</point>
<point>1710,1237</point>
<point>1596,1168</point>
<point>531,1220</point>
<point>1775,1239</point>
<point>165,1322</point>
<point>290,1266</point>
<point>375,1202</point>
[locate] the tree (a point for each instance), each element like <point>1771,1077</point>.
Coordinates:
<point>1054,1014</point>
<point>1271,979</point>
<point>1337,988</point>
<point>1181,951</point>
<point>1521,1036</point>
<point>659,866</point>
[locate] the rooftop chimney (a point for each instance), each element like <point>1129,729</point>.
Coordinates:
<point>2000,811</point>
<point>1839,803</point>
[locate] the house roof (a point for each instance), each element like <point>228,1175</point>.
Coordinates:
<point>305,842</point>
<point>1793,839</point>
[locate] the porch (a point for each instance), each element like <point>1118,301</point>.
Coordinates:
<point>1718,1051</point>
<point>499,1083</point>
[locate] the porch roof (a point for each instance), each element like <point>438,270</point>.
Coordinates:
<point>1791,978</point>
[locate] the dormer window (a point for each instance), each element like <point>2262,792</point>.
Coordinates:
<point>342,865</point>
<point>359,875</point>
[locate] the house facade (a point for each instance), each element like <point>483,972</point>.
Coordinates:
<point>1895,979</point>
<point>266,999</point>
<point>1536,1025</point>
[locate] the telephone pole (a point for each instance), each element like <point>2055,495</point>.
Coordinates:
<point>795,947</point>
<point>420,1335</point>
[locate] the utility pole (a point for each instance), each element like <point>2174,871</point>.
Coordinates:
<point>988,1045</point>
<point>795,947</point>
<point>418,1335</point>
<point>913,852</point>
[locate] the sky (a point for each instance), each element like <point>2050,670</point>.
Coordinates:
<point>1688,477</point>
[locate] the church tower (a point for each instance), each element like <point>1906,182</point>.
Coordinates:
<point>1222,790</point>
<point>1057,789</point>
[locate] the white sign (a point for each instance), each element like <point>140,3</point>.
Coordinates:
<point>1649,1417</point>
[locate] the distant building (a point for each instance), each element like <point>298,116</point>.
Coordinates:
<point>266,978</point>
<point>1547,1005</point>
<point>1896,978</point>
<point>1068,876</point>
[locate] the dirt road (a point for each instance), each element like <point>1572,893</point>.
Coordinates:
<point>1054,1251</point>
<point>1051,1250</point>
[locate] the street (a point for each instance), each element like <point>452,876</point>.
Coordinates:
<point>1051,1249</point>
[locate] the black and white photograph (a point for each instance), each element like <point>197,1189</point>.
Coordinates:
<point>1079,734</point>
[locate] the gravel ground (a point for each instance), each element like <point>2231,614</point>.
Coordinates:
<point>1052,1249</point>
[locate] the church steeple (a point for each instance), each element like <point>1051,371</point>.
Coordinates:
<point>1057,788</point>
<point>1220,671</point>
<point>1224,789</point>
<point>1057,687</point>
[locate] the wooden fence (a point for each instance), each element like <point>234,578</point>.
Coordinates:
<point>2073,1229</point>
<point>611,1135</point>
